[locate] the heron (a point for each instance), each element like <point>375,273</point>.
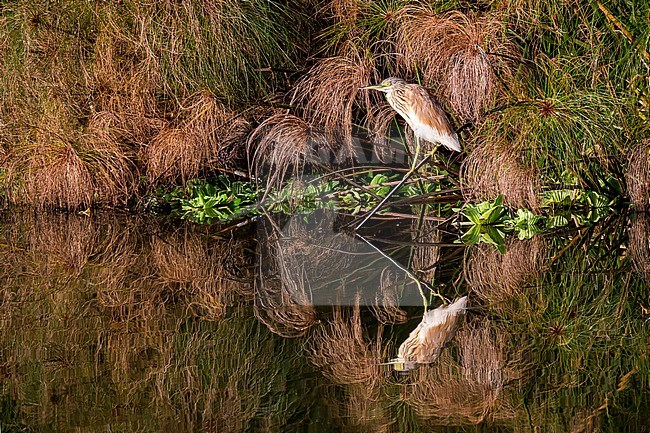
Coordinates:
<point>424,115</point>
<point>422,112</point>
<point>426,341</point>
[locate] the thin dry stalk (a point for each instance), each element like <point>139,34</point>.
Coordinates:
<point>467,57</point>
<point>638,176</point>
<point>379,120</point>
<point>493,169</point>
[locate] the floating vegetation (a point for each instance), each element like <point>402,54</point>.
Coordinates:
<point>489,222</point>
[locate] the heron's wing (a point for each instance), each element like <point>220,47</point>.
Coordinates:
<point>427,109</point>
<point>438,328</point>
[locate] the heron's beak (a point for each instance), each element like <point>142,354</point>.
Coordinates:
<point>373,87</point>
<point>400,365</point>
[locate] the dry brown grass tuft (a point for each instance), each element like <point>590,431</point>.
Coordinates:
<point>329,94</point>
<point>78,171</point>
<point>282,146</point>
<point>123,81</point>
<point>208,136</point>
<point>54,175</point>
<point>467,57</point>
<point>344,354</point>
<point>499,278</point>
<point>638,176</point>
<point>342,11</point>
<point>493,169</point>
<point>640,243</point>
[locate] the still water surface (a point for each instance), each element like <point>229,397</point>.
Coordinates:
<point>114,323</point>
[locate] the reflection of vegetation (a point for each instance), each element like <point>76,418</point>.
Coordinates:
<point>104,321</point>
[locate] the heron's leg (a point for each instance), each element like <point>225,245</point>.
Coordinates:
<point>425,301</point>
<point>414,167</point>
<point>414,163</point>
<point>444,300</point>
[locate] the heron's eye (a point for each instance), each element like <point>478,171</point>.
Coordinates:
<point>385,83</point>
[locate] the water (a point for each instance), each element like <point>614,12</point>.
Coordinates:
<point>116,323</point>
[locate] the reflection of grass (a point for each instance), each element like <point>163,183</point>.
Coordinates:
<point>91,313</point>
<point>586,322</point>
<point>106,323</point>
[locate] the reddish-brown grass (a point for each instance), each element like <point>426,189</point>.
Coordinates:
<point>282,146</point>
<point>342,11</point>
<point>208,136</point>
<point>465,56</point>
<point>638,176</point>
<point>62,168</point>
<point>329,94</point>
<point>494,168</point>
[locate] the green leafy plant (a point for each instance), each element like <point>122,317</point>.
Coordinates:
<point>488,223</point>
<point>223,200</point>
<point>526,224</point>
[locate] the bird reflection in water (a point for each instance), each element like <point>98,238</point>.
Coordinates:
<point>424,343</point>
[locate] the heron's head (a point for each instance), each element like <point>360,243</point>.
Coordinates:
<point>387,85</point>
